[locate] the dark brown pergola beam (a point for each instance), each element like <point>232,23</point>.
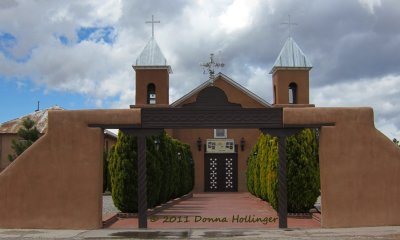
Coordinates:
<point>180,118</point>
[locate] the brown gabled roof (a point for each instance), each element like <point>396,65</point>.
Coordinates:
<point>39,117</point>
<point>228,80</point>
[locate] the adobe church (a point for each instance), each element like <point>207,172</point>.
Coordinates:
<point>61,173</point>
<point>220,155</point>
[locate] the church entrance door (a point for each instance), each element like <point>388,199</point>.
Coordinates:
<point>220,172</point>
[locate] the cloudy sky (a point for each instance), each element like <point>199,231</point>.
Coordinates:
<point>78,54</point>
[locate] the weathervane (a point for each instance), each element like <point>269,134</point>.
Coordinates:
<point>290,24</point>
<point>211,65</point>
<point>152,25</point>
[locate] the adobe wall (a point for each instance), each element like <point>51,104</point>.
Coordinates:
<point>109,142</point>
<point>57,182</point>
<point>235,95</point>
<point>359,167</point>
<point>159,77</point>
<point>281,80</point>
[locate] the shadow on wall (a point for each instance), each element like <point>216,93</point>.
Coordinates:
<point>57,182</point>
<point>358,166</point>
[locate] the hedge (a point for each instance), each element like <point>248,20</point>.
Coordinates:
<point>170,171</point>
<point>302,170</point>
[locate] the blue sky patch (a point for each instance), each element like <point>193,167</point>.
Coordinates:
<point>7,42</point>
<point>24,95</point>
<point>64,40</point>
<point>96,34</point>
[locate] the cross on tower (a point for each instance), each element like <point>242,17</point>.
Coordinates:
<point>152,25</point>
<point>290,24</point>
<point>211,65</point>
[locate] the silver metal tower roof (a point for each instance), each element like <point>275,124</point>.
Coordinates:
<point>291,56</point>
<point>151,55</point>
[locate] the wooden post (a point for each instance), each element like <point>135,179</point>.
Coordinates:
<point>142,181</point>
<point>281,134</point>
<point>282,183</point>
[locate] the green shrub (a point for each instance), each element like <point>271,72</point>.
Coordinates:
<point>170,171</point>
<point>272,166</point>
<point>250,169</point>
<point>123,173</point>
<point>154,173</point>
<point>262,158</point>
<point>302,170</point>
<point>28,134</point>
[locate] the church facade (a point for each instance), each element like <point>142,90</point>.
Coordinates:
<point>220,155</point>
<point>61,174</point>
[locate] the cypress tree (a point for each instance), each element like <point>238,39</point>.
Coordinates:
<point>272,174</point>
<point>302,170</point>
<point>250,169</point>
<point>28,134</point>
<point>123,173</point>
<point>169,174</point>
<point>154,174</point>
<point>263,160</point>
<point>166,168</point>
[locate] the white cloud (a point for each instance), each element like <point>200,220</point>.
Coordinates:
<point>370,5</point>
<point>380,93</point>
<point>238,15</point>
<point>108,11</point>
<point>260,82</point>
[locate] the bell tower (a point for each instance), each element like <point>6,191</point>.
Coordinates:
<point>152,75</point>
<point>290,76</point>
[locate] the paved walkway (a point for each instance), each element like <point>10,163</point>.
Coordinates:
<point>108,205</point>
<point>217,211</point>
<point>242,234</point>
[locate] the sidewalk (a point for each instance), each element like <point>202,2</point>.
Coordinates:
<point>341,233</point>
<point>212,206</point>
<point>217,211</point>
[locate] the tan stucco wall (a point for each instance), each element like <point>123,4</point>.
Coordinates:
<point>281,80</point>
<point>6,143</point>
<point>57,182</point>
<point>109,142</point>
<point>160,78</point>
<point>234,95</point>
<point>359,166</point>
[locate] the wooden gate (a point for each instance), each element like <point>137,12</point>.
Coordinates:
<point>220,172</point>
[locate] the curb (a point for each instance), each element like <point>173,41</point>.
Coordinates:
<point>316,217</point>
<point>159,208</point>
<point>300,215</point>
<point>109,220</point>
